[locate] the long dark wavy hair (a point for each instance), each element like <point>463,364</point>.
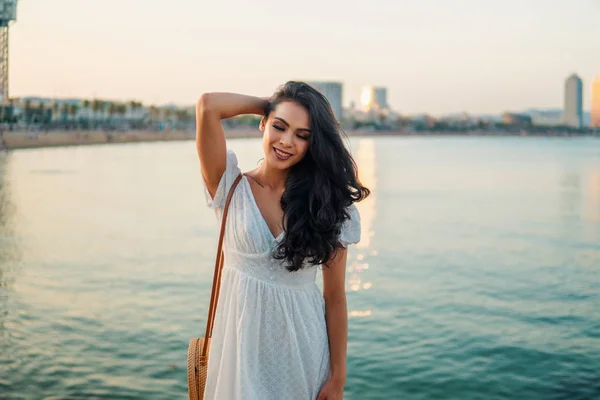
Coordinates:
<point>318,189</point>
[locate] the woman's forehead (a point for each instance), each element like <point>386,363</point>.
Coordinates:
<point>293,113</point>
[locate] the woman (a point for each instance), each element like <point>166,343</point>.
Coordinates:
<point>275,335</point>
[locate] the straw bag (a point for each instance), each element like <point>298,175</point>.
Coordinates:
<point>199,347</point>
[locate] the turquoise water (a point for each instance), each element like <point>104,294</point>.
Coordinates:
<point>477,276</point>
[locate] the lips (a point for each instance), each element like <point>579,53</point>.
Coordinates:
<point>281,155</point>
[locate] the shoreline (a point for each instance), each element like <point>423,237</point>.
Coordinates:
<point>15,140</point>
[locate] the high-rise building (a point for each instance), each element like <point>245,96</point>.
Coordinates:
<point>381,97</point>
<point>573,111</point>
<point>595,114</point>
<point>333,92</point>
<point>374,98</point>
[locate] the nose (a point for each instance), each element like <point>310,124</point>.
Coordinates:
<point>286,138</point>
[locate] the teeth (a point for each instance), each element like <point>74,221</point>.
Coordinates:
<point>282,154</point>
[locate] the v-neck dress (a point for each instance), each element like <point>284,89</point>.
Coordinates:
<point>270,339</point>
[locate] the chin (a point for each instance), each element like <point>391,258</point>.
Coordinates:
<point>275,163</point>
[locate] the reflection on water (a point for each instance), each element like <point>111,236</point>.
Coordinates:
<point>357,313</point>
<point>365,157</point>
<point>592,198</point>
<point>580,196</point>
<point>11,314</point>
<point>477,274</point>
<point>570,194</point>
<point>10,252</point>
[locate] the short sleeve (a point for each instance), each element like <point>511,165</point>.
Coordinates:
<point>231,173</point>
<point>350,233</point>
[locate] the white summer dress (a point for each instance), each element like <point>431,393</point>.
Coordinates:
<point>270,339</point>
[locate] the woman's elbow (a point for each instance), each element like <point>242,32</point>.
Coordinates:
<point>205,103</point>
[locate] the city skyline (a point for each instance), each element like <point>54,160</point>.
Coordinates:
<point>374,98</point>
<point>573,110</point>
<point>333,91</point>
<point>595,111</point>
<point>460,58</point>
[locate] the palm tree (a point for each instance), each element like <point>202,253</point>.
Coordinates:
<point>55,109</point>
<point>97,106</point>
<point>112,109</point>
<point>86,106</point>
<point>41,111</point>
<point>73,110</point>
<point>153,112</point>
<point>11,102</point>
<point>65,112</point>
<point>183,115</point>
<point>139,106</point>
<point>122,110</point>
<point>27,110</point>
<point>132,107</point>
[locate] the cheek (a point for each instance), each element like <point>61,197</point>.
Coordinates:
<point>303,147</point>
<point>266,139</point>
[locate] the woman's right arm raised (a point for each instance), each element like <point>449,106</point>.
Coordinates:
<point>211,108</point>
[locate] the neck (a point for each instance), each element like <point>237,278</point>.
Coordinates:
<point>272,178</point>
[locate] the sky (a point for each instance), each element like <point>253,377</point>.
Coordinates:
<point>434,56</point>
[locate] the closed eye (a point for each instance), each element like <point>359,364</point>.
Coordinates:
<point>303,137</point>
<point>279,128</point>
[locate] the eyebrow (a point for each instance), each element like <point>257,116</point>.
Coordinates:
<point>288,125</point>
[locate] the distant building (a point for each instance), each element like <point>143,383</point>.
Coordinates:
<point>374,98</point>
<point>595,114</point>
<point>333,92</point>
<point>573,111</point>
<point>547,118</point>
<point>519,120</point>
<point>381,97</point>
<point>422,121</point>
<point>458,121</point>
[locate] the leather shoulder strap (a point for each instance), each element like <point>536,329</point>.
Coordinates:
<point>216,286</point>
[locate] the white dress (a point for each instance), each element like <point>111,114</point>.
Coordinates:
<point>269,339</point>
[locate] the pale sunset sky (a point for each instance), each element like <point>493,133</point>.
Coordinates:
<point>434,56</point>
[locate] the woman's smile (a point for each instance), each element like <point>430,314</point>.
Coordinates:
<point>280,154</point>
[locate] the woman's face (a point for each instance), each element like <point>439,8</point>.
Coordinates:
<point>286,135</point>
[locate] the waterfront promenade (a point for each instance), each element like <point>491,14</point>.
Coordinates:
<point>12,140</point>
<point>35,139</point>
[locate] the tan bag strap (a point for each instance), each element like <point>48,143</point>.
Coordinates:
<point>216,286</point>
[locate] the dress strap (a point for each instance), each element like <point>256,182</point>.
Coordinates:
<point>216,286</point>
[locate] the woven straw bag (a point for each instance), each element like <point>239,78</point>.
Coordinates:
<point>199,347</point>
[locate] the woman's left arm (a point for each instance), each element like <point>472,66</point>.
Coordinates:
<point>336,317</point>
